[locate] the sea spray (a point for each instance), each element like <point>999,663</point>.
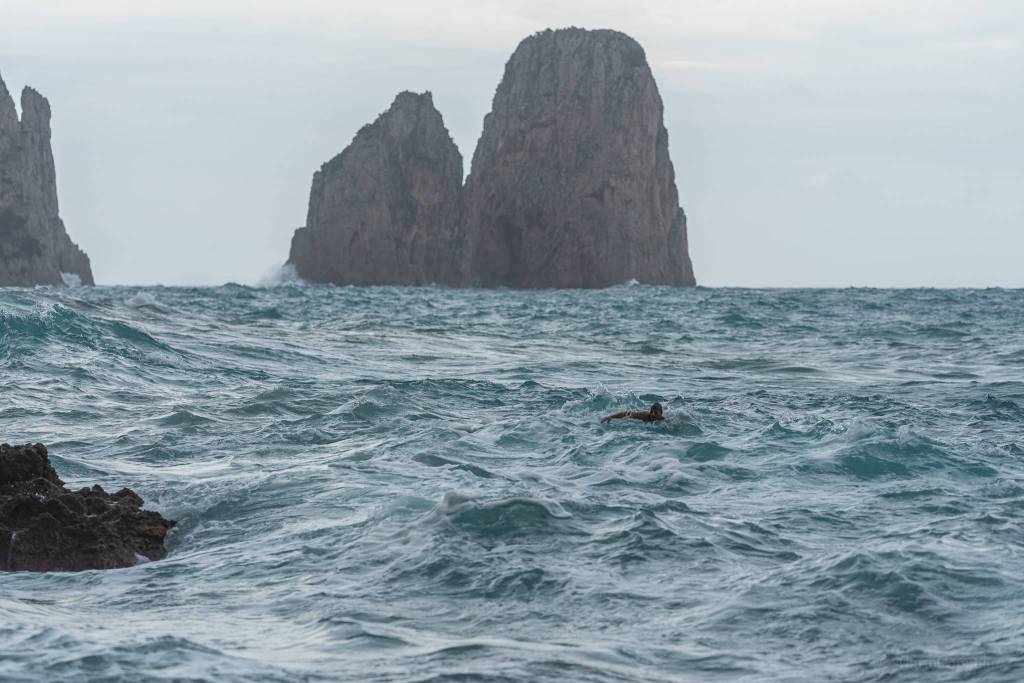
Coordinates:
<point>10,550</point>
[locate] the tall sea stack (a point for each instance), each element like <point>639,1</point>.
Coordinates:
<point>34,246</point>
<point>386,211</point>
<point>571,183</point>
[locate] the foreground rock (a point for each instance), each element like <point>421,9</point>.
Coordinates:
<point>34,246</point>
<point>45,527</point>
<point>386,210</point>
<point>571,183</point>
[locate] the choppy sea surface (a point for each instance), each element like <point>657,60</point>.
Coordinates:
<point>392,484</point>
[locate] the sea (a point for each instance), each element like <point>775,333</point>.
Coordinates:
<point>414,484</point>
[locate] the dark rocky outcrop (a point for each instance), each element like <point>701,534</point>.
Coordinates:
<point>571,182</point>
<point>34,246</point>
<point>386,210</point>
<point>45,527</point>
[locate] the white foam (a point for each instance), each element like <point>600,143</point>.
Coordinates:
<point>71,279</point>
<point>10,550</point>
<point>142,299</point>
<point>280,275</point>
<point>860,428</point>
<point>469,428</point>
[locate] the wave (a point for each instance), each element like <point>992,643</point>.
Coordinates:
<point>503,518</point>
<point>145,300</point>
<point>801,496</point>
<point>871,451</point>
<point>56,323</point>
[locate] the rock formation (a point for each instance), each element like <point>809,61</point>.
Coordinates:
<point>45,527</point>
<point>386,210</point>
<point>34,247</point>
<point>571,182</point>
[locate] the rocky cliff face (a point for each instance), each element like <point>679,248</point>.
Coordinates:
<point>571,183</point>
<point>34,246</point>
<point>386,210</point>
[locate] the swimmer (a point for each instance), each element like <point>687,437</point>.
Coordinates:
<point>652,415</point>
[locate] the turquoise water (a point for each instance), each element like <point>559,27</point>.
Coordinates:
<point>413,484</point>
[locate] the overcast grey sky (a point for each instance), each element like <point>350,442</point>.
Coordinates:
<point>816,143</point>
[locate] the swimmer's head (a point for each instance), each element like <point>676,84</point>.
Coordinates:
<point>656,410</point>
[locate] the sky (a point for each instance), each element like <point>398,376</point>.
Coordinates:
<point>817,143</point>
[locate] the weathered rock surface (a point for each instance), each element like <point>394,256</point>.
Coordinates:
<point>45,527</point>
<point>34,246</point>
<point>571,183</point>
<point>386,210</point>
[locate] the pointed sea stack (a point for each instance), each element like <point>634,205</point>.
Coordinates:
<point>571,183</point>
<point>34,246</point>
<point>386,210</point>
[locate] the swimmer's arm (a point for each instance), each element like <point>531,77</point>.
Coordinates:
<point>616,416</point>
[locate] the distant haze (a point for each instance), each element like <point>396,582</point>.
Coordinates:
<point>816,143</point>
